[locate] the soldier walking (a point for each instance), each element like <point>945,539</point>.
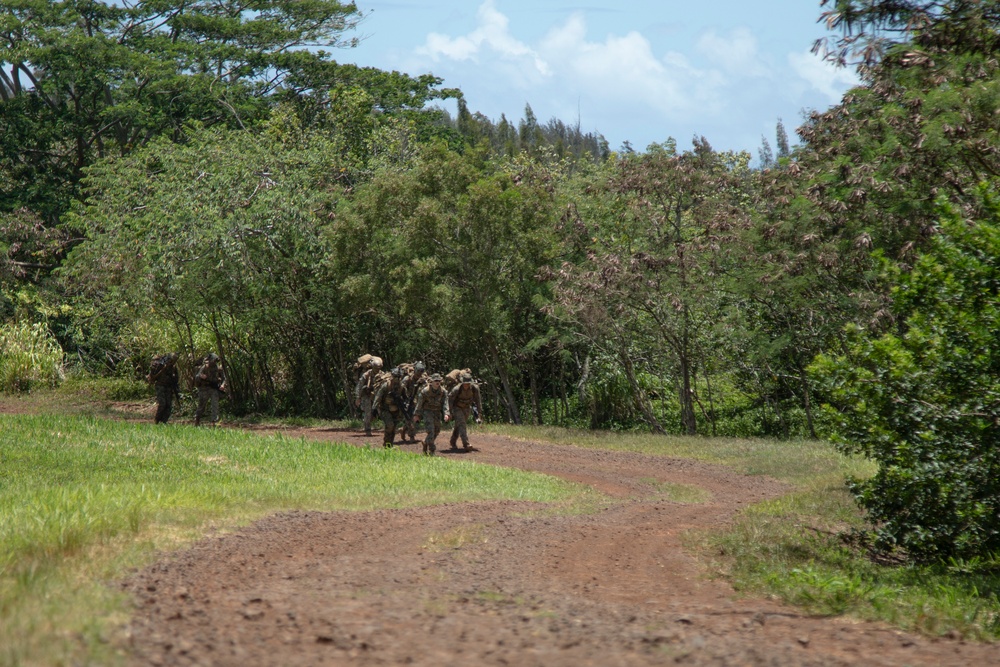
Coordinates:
<point>391,406</point>
<point>211,383</point>
<point>364,390</point>
<point>462,398</point>
<point>432,407</point>
<point>163,375</point>
<point>412,384</point>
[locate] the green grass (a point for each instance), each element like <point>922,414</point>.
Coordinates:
<point>81,498</point>
<point>798,547</point>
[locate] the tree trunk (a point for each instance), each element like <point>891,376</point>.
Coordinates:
<point>512,411</point>
<point>536,407</point>
<point>639,396</point>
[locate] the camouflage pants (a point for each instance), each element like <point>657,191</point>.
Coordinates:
<point>392,421</point>
<point>207,397</point>
<point>164,404</point>
<point>432,423</point>
<point>409,430</point>
<point>366,412</point>
<point>461,418</point>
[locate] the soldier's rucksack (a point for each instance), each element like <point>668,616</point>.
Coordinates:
<point>380,379</point>
<point>366,361</point>
<point>451,379</point>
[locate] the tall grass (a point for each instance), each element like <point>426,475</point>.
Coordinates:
<point>29,357</point>
<point>81,497</point>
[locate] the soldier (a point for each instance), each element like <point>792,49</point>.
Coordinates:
<point>365,389</point>
<point>412,384</point>
<point>163,375</point>
<point>463,397</point>
<point>432,404</point>
<point>211,383</point>
<point>391,406</point>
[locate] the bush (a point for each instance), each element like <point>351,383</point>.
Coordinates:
<point>29,357</point>
<point>924,404</point>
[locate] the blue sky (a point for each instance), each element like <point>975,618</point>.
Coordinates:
<point>639,71</point>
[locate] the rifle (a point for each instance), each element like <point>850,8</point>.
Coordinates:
<point>405,406</point>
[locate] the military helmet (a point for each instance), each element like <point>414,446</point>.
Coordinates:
<point>465,377</point>
<point>436,377</point>
<point>397,372</point>
<point>419,366</point>
<point>212,357</point>
<point>375,362</point>
<point>172,356</point>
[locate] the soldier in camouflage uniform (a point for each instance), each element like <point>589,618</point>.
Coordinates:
<point>163,375</point>
<point>412,384</point>
<point>211,383</point>
<point>462,398</point>
<point>432,406</point>
<point>364,391</point>
<point>389,402</point>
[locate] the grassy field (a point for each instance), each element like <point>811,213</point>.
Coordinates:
<point>82,498</point>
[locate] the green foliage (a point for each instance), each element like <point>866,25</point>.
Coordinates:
<point>924,402</point>
<point>219,242</point>
<point>29,357</point>
<point>87,80</point>
<point>644,293</point>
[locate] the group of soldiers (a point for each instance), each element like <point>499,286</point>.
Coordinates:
<point>407,395</point>
<point>402,397</point>
<point>209,379</point>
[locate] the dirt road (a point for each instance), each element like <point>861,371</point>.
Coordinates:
<point>498,583</point>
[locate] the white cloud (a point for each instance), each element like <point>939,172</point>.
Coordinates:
<point>822,76</point>
<point>724,84</point>
<point>736,53</point>
<point>492,36</point>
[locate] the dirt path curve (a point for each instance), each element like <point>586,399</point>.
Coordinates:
<point>497,583</point>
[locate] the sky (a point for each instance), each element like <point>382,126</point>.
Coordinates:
<point>639,71</point>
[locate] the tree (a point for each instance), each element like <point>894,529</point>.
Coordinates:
<point>220,241</point>
<point>648,293</point>
<point>924,403</point>
<point>83,79</point>
<point>871,28</point>
<point>781,139</point>
<point>450,249</point>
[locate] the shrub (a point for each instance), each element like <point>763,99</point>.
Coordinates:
<point>29,356</point>
<point>924,403</point>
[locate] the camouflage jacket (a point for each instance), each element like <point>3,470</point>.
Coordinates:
<point>209,376</point>
<point>387,394</point>
<point>366,383</point>
<point>464,396</point>
<point>433,400</point>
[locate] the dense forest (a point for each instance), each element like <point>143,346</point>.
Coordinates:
<point>205,176</point>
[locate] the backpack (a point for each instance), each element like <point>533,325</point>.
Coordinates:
<point>366,361</point>
<point>380,379</point>
<point>451,379</point>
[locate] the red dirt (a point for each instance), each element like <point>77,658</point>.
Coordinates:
<point>497,583</point>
